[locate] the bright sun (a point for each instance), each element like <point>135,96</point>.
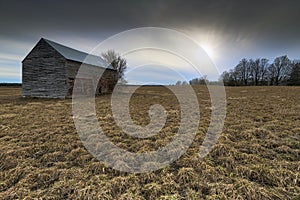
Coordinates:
<point>209,50</point>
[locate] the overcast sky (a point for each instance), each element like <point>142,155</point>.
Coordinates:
<point>228,30</point>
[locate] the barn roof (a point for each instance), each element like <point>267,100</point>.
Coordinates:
<point>79,56</point>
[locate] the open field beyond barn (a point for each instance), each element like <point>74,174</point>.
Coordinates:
<point>256,157</point>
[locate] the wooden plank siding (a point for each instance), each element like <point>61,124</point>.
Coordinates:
<point>46,73</point>
<point>43,73</point>
<point>105,85</point>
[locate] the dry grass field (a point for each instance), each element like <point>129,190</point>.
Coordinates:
<point>256,157</point>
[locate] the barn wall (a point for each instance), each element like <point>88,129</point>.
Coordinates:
<point>43,73</point>
<point>71,72</point>
<point>105,85</point>
<point>108,81</point>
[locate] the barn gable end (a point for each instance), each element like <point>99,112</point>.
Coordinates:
<point>49,71</point>
<point>43,72</point>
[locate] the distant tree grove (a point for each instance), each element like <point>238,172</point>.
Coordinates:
<point>282,71</point>
<point>254,72</point>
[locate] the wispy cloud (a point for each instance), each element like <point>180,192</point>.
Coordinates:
<point>10,57</point>
<point>8,72</point>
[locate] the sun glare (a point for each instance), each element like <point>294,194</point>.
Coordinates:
<point>209,50</point>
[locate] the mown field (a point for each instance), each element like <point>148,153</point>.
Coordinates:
<point>256,157</point>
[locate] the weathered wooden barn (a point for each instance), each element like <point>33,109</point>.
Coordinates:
<point>49,71</point>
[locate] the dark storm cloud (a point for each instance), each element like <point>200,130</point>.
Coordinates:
<point>85,16</point>
<point>243,28</point>
<point>276,17</point>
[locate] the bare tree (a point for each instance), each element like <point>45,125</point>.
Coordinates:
<point>258,70</point>
<point>279,70</point>
<point>199,81</point>
<point>118,63</point>
<point>255,71</point>
<point>178,83</point>
<point>230,78</point>
<point>264,64</point>
<point>271,74</point>
<point>243,72</point>
<point>184,83</point>
<point>295,74</point>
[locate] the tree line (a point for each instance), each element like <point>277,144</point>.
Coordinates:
<point>196,81</point>
<point>282,71</point>
<point>249,72</point>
